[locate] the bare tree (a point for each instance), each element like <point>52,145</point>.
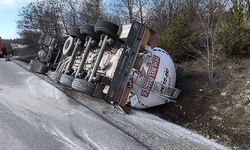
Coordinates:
<point>142,8</point>
<point>209,16</point>
<point>210,54</point>
<point>125,9</point>
<point>247,8</point>
<point>41,16</point>
<point>161,12</point>
<point>113,16</point>
<point>234,2</point>
<point>192,8</point>
<point>91,11</point>
<point>71,14</point>
<point>55,17</point>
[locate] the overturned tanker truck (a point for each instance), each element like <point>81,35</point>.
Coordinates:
<point>120,64</point>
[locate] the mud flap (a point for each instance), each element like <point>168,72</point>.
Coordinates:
<point>124,100</point>
<point>99,91</point>
<point>124,109</point>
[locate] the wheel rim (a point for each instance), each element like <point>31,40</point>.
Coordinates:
<point>68,47</point>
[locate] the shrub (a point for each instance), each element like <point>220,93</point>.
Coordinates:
<point>234,35</point>
<point>176,37</point>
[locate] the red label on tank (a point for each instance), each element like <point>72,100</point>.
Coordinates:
<point>152,72</point>
<point>144,93</point>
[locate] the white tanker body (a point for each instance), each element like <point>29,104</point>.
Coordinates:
<point>155,83</point>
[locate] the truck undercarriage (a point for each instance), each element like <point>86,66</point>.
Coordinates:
<point>120,64</point>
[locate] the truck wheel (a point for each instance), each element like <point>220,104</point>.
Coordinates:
<point>88,30</point>
<point>31,64</point>
<point>68,46</point>
<point>66,79</point>
<point>56,76</point>
<point>40,41</point>
<point>109,28</point>
<point>75,33</point>
<point>42,36</point>
<point>83,86</point>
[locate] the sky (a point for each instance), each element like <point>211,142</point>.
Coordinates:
<point>8,16</point>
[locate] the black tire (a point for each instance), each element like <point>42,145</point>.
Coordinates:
<point>107,27</point>
<point>31,64</point>
<point>40,41</point>
<point>68,46</point>
<point>75,33</point>
<point>85,83</point>
<point>66,79</point>
<point>47,40</point>
<point>56,76</point>
<point>83,86</point>
<point>88,30</point>
<point>46,49</point>
<point>42,36</point>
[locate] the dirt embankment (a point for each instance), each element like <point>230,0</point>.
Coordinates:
<point>219,110</point>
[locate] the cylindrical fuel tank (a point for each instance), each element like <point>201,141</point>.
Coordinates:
<point>161,69</point>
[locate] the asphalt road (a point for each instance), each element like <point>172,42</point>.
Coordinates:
<point>37,113</point>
